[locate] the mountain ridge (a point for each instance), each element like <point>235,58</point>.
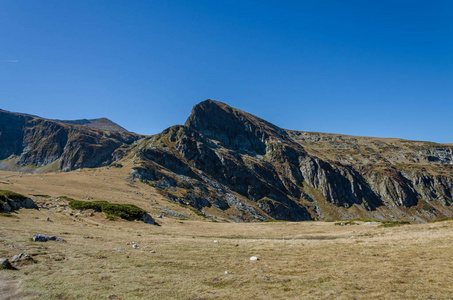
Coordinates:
<point>31,143</point>
<point>227,163</point>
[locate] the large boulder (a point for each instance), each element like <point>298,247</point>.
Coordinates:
<point>5,264</point>
<point>148,219</point>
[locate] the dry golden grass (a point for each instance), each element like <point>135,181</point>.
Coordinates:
<point>308,260</point>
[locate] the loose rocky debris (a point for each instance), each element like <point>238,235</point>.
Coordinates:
<point>45,238</point>
<point>120,249</point>
<point>152,251</point>
<point>171,213</point>
<point>6,265</point>
<point>135,245</point>
<point>21,257</point>
<point>371,223</point>
<point>228,272</point>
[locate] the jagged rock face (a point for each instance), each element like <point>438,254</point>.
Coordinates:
<point>36,142</point>
<point>209,173</point>
<point>294,175</point>
<point>234,128</point>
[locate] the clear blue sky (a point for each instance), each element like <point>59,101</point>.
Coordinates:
<point>374,68</point>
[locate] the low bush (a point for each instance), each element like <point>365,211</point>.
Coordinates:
<point>128,212</point>
<point>272,220</point>
<point>125,211</point>
<point>8,215</point>
<point>393,223</point>
<point>66,198</point>
<point>5,194</point>
<point>84,205</point>
<point>42,196</point>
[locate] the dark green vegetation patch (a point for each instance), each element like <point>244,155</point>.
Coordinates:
<point>5,195</point>
<point>393,223</point>
<point>128,212</point>
<point>65,198</point>
<point>42,196</point>
<point>8,215</point>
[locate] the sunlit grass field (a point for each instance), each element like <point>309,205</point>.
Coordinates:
<point>306,260</point>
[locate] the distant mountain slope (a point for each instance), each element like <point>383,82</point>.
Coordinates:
<point>239,165</point>
<point>33,143</point>
<point>101,123</point>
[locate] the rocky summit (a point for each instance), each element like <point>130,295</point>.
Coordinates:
<point>236,166</point>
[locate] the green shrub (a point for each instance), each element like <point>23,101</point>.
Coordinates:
<point>393,223</point>
<point>4,194</point>
<point>42,196</point>
<point>83,205</point>
<point>128,212</point>
<point>8,215</point>
<point>125,211</point>
<point>426,206</point>
<point>66,198</point>
<point>272,220</point>
<point>111,218</point>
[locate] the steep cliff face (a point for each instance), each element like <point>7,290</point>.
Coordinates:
<point>222,152</point>
<point>11,133</point>
<point>236,129</point>
<point>33,143</point>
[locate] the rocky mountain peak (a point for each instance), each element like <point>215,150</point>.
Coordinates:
<point>233,127</point>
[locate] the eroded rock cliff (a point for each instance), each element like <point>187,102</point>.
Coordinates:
<point>222,153</point>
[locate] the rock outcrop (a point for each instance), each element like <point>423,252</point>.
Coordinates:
<point>10,201</point>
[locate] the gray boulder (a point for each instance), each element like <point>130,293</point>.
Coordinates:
<point>5,264</point>
<point>148,219</point>
<point>45,238</point>
<point>10,204</point>
<point>25,203</point>
<point>6,207</point>
<point>21,257</point>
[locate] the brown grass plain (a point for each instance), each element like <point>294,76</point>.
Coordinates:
<point>305,260</point>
